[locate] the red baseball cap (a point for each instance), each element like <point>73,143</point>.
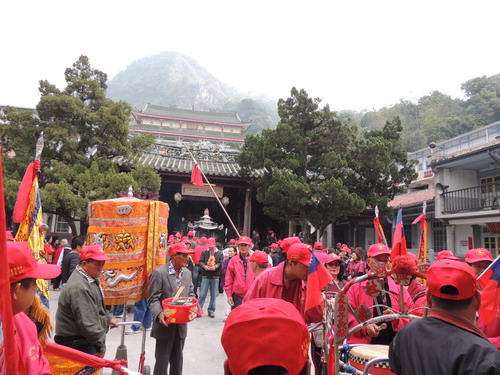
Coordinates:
<point>203,240</point>
<point>244,240</point>
<point>318,245</point>
<point>171,237</point>
<point>265,320</point>
<point>211,241</point>
<point>93,252</point>
<point>300,252</point>
<point>23,265</point>
<point>377,249</point>
<point>447,254</point>
<point>232,241</point>
<point>190,233</point>
<point>289,241</point>
<point>274,245</point>
<point>259,257</point>
<point>327,258</point>
<point>449,272</point>
<point>178,235</point>
<point>478,255</point>
<point>179,247</point>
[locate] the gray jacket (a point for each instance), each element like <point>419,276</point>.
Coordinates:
<point>81,314</point>
<point>162,285</point>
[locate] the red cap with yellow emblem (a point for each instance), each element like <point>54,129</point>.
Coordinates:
<point>478,255</point>
<point>93,252</point>
<point>23,265</point>
<point>300,252</point>
<point>377,249</point>
<point>264,320</point>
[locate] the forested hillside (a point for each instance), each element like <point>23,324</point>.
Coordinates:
<point>436,117</point>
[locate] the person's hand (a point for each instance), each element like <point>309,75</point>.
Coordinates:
<point>100,354</point>
<point>388,312</point>
<point>372,330</point>
<point>230,301</point>
<point>162,317</point>
<point>113,323</point>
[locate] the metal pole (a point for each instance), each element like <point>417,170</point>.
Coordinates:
<point>213,191</point>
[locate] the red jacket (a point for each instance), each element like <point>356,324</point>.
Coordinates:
<point>357,297</point>
<point>237,281</point>
<point>491,330</point>
<point>31,360</point>
<point>269,284</point>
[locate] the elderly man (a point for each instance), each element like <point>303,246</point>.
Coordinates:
<point>285,281</point>
<point>389,296</point>
<point>239,274</point>
<point>446,341</point>
<point>81,319</point>
<point>259,261</point>
<point>165,282</point>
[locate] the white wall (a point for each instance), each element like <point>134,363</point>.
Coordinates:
<point>462,234</point>
<point>461,179</point>
<point>370,237</point>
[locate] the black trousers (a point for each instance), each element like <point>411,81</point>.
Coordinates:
<point>169,352</point>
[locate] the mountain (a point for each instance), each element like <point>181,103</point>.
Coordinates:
<point>175,80</point>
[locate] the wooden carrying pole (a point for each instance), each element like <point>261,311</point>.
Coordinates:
<point>213,191</point>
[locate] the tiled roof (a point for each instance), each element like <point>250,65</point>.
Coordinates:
<point>166,163</point>
<point>414,198</point>
<point>222,117</point>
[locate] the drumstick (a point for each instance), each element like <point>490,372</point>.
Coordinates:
<point>179,291</point>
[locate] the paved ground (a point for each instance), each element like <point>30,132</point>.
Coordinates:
<point>203,353</point>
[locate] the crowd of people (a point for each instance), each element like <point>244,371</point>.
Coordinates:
<point>264,288</point>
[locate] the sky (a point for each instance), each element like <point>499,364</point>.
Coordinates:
<point>357,54</point>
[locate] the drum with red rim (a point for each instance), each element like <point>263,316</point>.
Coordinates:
<point>360,355</point>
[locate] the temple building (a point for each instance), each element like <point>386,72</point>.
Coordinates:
<point>214,139</point>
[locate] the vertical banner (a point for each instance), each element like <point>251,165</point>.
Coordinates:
<point>8,364</point>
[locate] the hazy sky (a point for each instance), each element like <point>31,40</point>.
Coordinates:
<point>352,54</point>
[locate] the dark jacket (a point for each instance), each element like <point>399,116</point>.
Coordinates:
<point>434,346</point>
<point>81,315</point>
<point>219,257</point>
<point>69,263</point>
<point>163,285</point>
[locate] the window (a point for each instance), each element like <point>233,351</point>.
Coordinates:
<point>439,236</point>
<point>492,243</point>
<point>61,225</point>
<point>490,190</point>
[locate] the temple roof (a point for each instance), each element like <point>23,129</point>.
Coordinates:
<point>189,133</point>
<point>168,163</point>
<point>231,118</point>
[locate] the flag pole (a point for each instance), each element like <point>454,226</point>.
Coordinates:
<point>487,268</point>
<point>211,188</point>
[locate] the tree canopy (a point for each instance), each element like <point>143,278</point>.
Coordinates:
<point>315,171</point>
<point>83,132</point>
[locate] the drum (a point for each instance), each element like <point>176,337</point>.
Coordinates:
<point>360,355</point>
<point>183,310</point>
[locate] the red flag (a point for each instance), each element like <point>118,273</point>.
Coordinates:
<point>399,239</point>
<point>8,358</point>
<point>318,277</point>
<point>23,196</point>
<point>490,295</point>
<point>379,230</point>
<point>422,248</point>
<point>196,177</point>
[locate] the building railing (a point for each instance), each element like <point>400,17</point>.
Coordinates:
<point>478,198</point>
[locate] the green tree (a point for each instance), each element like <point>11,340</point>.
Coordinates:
<point>304,158</point>
<point>378,166</point>
<point>83,132</point>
